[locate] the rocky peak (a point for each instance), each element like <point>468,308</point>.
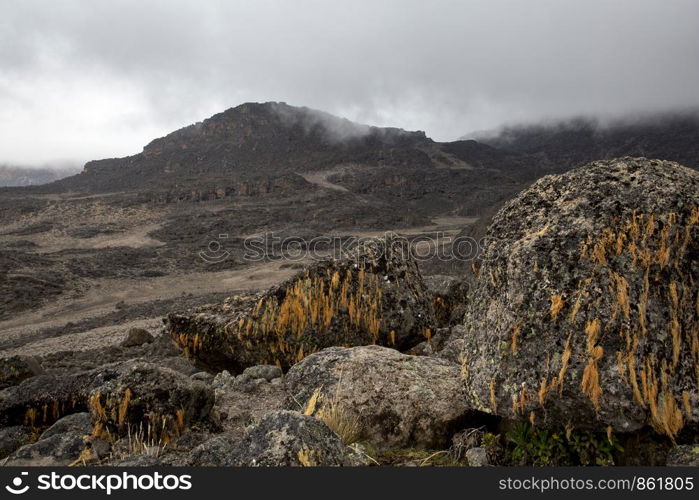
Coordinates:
<point>253,122</point>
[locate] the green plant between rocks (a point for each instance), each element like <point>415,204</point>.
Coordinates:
<point>528,445</point>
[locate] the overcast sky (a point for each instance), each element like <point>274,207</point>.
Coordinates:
<point>89,79</point>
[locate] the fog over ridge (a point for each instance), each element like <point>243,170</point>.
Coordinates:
<point>87,80</point>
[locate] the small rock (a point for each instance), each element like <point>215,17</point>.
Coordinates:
<point>477,457</point>
<point>465,440</point>
<point>99,447</point>
<point>215,452</point>
<point>15,369</point>
<point>57,450</point>
<point>222,379</point>
<point>179,364</point>
<point>77,422</point>
<point>449,296</point>
<point>190,440</point>
<point>205,377</point>
<point>136,337</point>
<point>11,438</point>
<point>137,461</point>
<point>267,372</point>
<point>684,456</point>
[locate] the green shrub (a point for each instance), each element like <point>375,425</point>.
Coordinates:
<point>528,445</point>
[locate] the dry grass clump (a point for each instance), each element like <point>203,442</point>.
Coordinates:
<point>111,413</point>
<point>557,304</point>
<point>343,422</point>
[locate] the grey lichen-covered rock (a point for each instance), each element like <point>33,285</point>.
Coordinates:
<point>214,452</point>
<point>477,457</point>
<point>373,295</point>
<point>56,450</point>
<point>587,306</point>
<point>267,372</point>
<point>179,364</point>
<point>15,369</point>
<point>77,422</point>
<point>452,347</point>
<point>289,438</point>
<point>397,400</point>
<point>136,337</point>
<point>684,456</point>
<point>449,295</point>
<point>281,438</point>
<point>12,438</point>
<point>204,377</point>
<point>60,444</point>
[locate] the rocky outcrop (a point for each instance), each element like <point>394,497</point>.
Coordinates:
<point>160,400</point>
<point>118,395</point>
<point>372,295</point>
<point>395,399</point>
<point>587,308</point>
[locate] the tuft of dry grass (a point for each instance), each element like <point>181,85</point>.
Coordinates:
<point>557,304</point>
<point>339,419</point>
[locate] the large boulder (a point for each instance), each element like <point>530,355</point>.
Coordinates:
<point>587,306</point>
<point>392,399</point>
<point>373,295</point>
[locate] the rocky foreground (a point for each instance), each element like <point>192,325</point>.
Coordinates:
<point>578,344</point>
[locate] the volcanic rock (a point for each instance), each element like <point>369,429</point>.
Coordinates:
<point>397,400</point>
<point>374,296</point>
<point>586,310</point>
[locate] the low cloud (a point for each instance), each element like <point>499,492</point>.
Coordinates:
<point>84,80</point>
